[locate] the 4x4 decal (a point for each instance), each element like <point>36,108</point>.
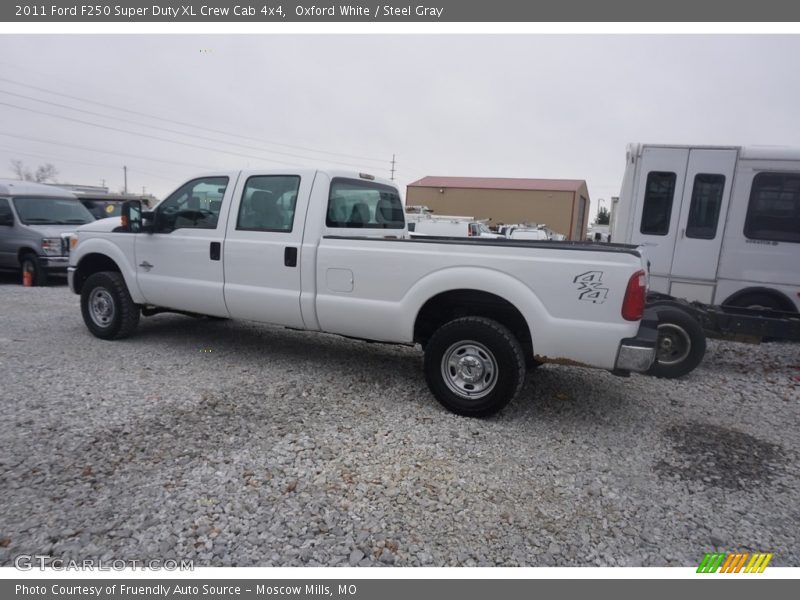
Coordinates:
<point>590,287</point>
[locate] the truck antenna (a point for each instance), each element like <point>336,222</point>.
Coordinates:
<point>393,164</point>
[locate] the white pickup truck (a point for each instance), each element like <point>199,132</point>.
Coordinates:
<point>329,251</point>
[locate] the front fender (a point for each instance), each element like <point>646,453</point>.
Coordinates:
<point>120,250</point>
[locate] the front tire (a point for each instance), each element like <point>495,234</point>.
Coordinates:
<point>107,307</point>
<point>30,263</point>
<point>681,344</point>
<point>474,366</point>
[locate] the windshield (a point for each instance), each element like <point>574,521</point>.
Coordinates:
<point>52,211</point>
<point>102,209</point>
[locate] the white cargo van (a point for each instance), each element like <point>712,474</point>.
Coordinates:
<point>720,224</point>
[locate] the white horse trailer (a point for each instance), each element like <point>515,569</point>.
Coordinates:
<point>720,225</point>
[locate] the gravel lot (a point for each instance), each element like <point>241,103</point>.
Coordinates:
<point>233,443</point>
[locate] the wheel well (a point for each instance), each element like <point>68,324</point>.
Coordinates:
<point>91,264</point>
<point>462,303</point>
<point>784,302</point>
<point>23,251</point>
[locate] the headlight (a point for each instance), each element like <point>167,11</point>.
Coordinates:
<point>51,246</point>
<point>73,242</point>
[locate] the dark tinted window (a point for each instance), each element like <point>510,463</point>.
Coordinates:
<point>358,203</point>
<point>6,217</point>
<point>268,203</point>
<point>774,209</point>
<point>704,209</point>
<point>658,194</point>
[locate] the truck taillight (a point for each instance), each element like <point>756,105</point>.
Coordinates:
<point>635,296</point>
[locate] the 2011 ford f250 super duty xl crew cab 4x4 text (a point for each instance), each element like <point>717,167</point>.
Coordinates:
<point>329,251</point>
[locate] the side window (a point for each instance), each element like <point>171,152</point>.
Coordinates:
<point>704,209</point>
<point>195,205</point>
<point>774,210</point>
<point>6,216</point>
<point>268,203</point>
<point>358,203</point>
<point>658,194</point>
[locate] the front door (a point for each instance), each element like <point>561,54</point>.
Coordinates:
<point>179,264</point>
<point>263,246</point>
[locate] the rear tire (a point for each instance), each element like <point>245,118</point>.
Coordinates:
<point>681,344</point>
<point>30,263</point>
<point>474,366</point>
<point>107,307</point>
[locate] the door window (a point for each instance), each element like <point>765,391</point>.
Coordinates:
<point>657,209</point>
<point>268,203</point>
<point>774,210</point>
<point>704,209</point>
<point>196,205</point>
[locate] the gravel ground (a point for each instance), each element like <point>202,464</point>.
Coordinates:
<point>233,443</point>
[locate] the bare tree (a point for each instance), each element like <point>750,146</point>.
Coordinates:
<point>21,171</point>
<point>42,173</point>
<point>45,172</point>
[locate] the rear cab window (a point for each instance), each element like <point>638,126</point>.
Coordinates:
<point>356,203</point>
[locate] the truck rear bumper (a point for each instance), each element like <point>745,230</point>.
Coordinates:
<point>638,353</point>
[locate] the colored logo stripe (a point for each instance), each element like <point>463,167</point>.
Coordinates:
<point>734,562</point>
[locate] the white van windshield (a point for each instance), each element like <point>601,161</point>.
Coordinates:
<point>51,211</point>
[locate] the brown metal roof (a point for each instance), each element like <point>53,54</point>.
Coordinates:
<point>500,183</point>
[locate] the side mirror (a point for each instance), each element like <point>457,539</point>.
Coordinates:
<point>7,220</point>
<point>132,216</point>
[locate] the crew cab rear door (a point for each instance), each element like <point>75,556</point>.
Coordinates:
<point>263,245</point>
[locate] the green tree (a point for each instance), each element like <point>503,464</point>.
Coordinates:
<point>603,216</point>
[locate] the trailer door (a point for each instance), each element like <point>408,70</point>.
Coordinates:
<point>706,192</point>
<point>660,181</point>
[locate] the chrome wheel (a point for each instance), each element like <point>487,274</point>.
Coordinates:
<point>469,369</point>
<point>674,344</point>
<point>101,307</point>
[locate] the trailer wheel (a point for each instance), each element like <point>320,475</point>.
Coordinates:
<point>681,344</point>
<point>474,366</point>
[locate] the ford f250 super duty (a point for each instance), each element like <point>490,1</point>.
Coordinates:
<point>329,251</point>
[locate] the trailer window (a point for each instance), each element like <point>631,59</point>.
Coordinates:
<point>657,209</point>
<point>774,210</point>
<point>704,209</point>
<point>357,203</point>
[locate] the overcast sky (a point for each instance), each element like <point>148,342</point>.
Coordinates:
<point>464,105</point>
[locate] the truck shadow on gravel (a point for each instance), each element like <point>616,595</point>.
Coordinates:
<point>720,457</point>
<point>550,392</point>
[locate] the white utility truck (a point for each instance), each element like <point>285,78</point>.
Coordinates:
<point>328,251</point>
<point>720,228</point>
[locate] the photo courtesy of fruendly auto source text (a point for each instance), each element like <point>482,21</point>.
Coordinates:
<point>370,301</point>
